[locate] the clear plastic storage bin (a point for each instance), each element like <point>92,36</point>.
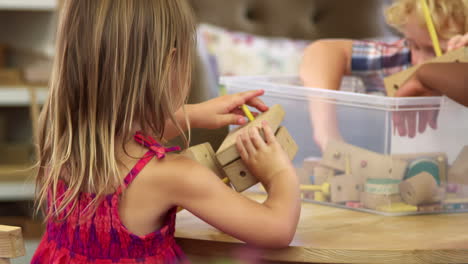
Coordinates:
<point>391,156</point>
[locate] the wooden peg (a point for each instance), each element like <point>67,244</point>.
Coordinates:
<point>323,188</point>
<point>393,82</point>
<point>227,152</point>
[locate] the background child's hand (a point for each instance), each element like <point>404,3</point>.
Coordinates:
<point>405,121</point>
<point>265,159</point>
<point>225,110</point>
<point>457,42</point>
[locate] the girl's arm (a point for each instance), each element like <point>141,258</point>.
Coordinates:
<point>271,223</point>
<point>216,113</point>
<point>324,64</point>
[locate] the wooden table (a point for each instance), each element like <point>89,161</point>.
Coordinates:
<point>332,235</point>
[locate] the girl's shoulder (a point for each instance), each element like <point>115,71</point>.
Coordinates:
<point>178,177</point>
<point>174,171</point>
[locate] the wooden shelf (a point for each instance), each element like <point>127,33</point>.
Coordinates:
<point>14,191</point>
<point>19,95</point>
<point>28,5</point>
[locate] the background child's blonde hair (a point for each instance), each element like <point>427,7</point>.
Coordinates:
<point>450,16</point>
<point>118,63</point>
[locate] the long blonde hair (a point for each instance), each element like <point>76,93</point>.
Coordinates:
<point>117,63</point>
<point>450,16</point>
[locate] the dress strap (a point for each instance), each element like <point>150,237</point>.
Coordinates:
<point>155,149</point>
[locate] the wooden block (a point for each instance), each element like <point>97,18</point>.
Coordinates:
<point>227,152</point>
<point>364,163</point>
<point>287,142</point>
<point>345,188</point>
<point>237,172</point>
<point>420,189</point>
<point>458,172</point>
<point>382,186</point>
<point>239,176</point>
<point>323,174</point>
<point>11,242</point>
<point>373,201</point>
<point>205,155</point>
<point>439,157</point>
<point>429,208</point>
<point>393,82</point>
<point>30,228</point>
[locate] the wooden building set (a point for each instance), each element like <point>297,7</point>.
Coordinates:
<point>226,162</point>
<point>354,177</point>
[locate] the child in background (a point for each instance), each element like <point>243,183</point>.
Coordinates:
<point>433,79</point>
<point>121,76</point>
<point>325,62</point>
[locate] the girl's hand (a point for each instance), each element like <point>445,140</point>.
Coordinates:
<point>457,42</point>
<point>224,110</point>
<point>266,159</point>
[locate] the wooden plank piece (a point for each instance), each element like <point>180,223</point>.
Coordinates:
<point>393,82</point>
<point>364,163</point>
<point>11,242</point>
<point>240,177</point>
<point>227,152</point>
<point>345,188</point>
<point>205,155</point>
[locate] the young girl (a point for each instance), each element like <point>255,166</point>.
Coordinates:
<point>121,77</point>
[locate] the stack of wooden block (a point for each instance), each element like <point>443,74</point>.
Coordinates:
<point>226,162</point>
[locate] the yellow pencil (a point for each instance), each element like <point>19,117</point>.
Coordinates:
<point>431,28</point>
<point>248,113</point>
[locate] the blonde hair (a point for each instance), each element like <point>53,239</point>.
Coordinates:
<point>117,63</point>
<point>450,16</point>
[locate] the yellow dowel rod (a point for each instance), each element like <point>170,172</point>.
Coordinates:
<point>431,28</point>
<point>248,113</point>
